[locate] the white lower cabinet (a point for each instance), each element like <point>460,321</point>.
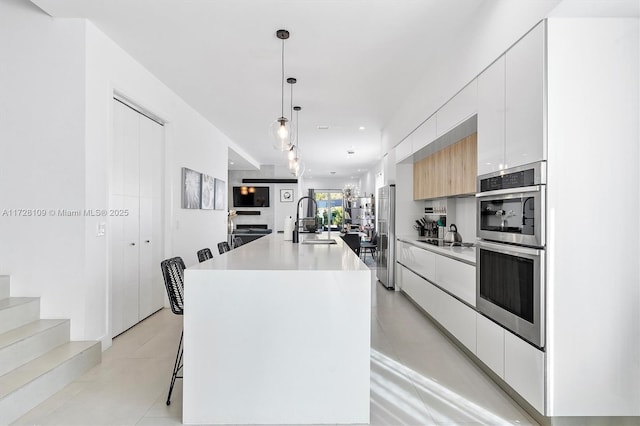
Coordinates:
<point>519,364</point>
<point>524,370</point>
<point>417,288</point>
<point>456,277</point>
<point>490,344</point>
<point>455,316</point>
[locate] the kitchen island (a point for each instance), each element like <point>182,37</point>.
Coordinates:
<point>276,332</point>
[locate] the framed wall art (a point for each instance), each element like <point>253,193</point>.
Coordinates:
<point>220,197</point>
<point>191,184</point>
<point>207,192</point>
<point>286,195</point>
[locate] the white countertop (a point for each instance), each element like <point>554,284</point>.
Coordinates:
<point>272,253</point>
<point>464,254</point>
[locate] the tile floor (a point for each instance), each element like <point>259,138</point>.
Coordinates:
<point>418,377</point>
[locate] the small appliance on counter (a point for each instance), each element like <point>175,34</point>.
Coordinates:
<point>453,236</point>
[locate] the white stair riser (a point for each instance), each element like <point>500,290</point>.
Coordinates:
<point>4,286</point>
<point>32,347</point>
<point>19,315</point>
<point>24,399</point>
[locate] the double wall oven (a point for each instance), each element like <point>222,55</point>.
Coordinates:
<point>510,268</point>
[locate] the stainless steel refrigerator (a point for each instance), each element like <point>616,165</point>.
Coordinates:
<point>386,228</point>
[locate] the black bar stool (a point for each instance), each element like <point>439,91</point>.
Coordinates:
<point>173,273</point>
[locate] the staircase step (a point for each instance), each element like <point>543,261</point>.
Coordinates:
<point>29,385</point>
<point>18,311</point>
<point>4,286</point>
<point>23,344</point>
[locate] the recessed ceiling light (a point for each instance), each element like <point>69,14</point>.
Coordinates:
<point>231,162</point>
<point>361,127</point>
<point>323,127</point>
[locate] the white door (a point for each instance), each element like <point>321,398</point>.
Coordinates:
<point>135,203</point>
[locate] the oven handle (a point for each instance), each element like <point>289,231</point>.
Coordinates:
<point>508,249</point>
<point>534,188</point>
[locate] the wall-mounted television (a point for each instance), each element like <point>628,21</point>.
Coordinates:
<point>250,196</point>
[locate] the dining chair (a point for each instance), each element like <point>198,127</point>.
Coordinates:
<point>173,273</point>
<point>353,241</point>
<point>223,247</point>
<point>204,254</point>
<point>370,245</point>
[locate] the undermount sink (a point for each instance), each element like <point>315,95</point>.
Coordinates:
<point>320,241</point>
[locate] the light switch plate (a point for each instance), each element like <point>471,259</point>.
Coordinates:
<point>101,229</point>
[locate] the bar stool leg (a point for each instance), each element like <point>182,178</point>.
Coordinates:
<point>177,366</point>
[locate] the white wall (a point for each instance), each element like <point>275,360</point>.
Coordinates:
<point>42,126</point>
<point>407,210</point>
<point>190,141</point>
<point>57,81</point>
<point>274,215</point>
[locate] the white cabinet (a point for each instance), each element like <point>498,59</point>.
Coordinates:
<point>403,150</point>
<point>491,117</point>
<point>424,135</point>
<point>417,288</point>
<point>525,99</point>
<point>490,344</point>
<point>524,370</point>
<point>421,261</point>
<point>459,108</point>
<point>457,278</point>
<point>511,94</point>
<point>135,221</point>
<point>455,316</point>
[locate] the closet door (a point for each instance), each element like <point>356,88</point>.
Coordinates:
<point>124,197</point>
<point>136,226</point>
<point>151,288</point>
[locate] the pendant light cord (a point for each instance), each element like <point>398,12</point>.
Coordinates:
<point>291,111</point>
<point>282,84</point>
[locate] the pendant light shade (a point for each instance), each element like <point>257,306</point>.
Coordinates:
<point>296,166</point>
<point>281,129</point>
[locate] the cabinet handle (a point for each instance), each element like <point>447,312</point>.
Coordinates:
<point>132,244</point>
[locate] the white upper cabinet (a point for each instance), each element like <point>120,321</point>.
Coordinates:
<point>424,135</point>
<point>403,150</point>
<point>459,108</point>
<point>511,93</point>
<point>525,90</point>
<point>491,117</point>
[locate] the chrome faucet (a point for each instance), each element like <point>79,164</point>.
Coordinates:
<point>296,230</point>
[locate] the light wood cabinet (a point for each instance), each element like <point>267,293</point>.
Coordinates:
<point>450,171</point>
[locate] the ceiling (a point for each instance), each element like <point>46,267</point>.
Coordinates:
<point>355,61</point>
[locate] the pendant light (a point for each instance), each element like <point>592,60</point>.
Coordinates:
<point>296,166</point>
<point>291,154</point>
<point>281,129</point>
